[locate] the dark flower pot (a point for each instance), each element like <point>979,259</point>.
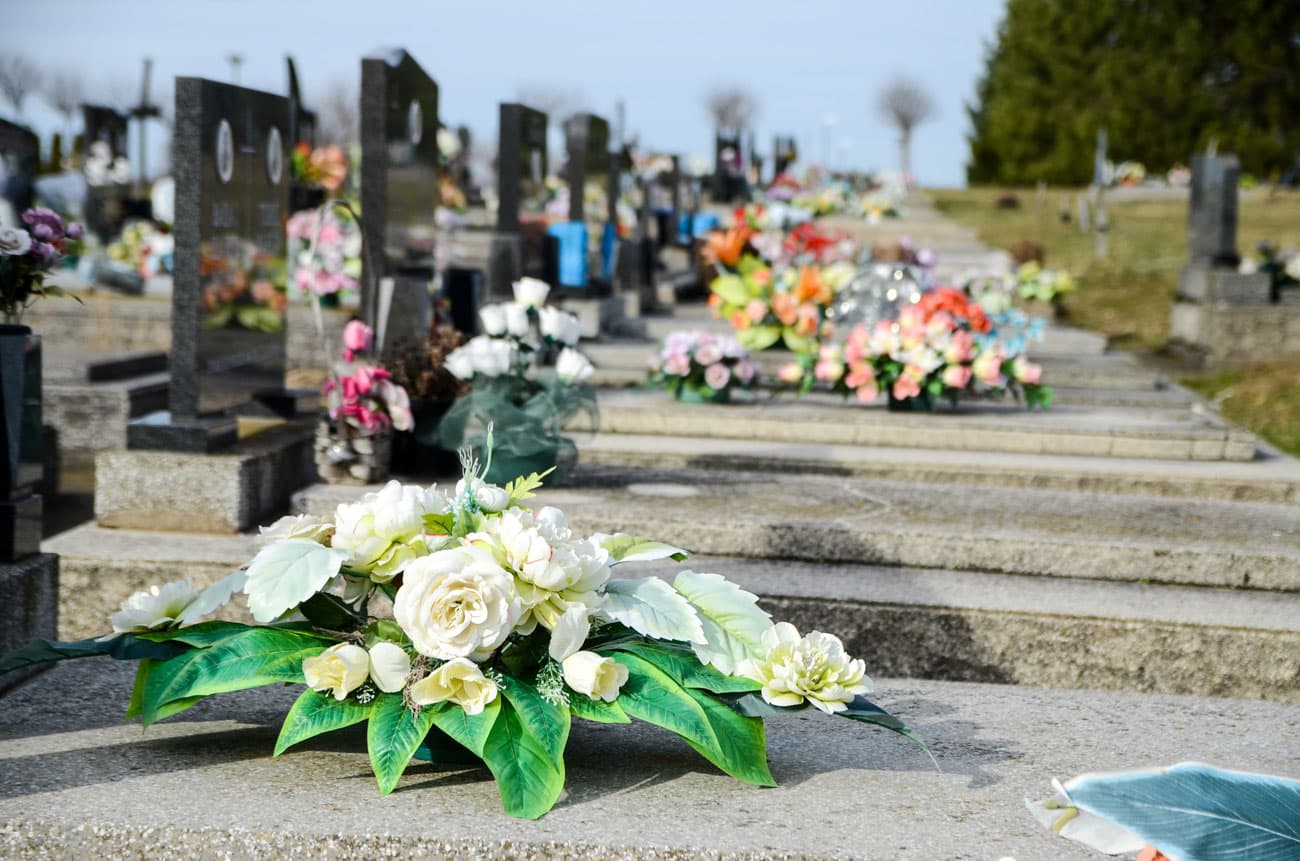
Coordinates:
<point>922,403</point>
<point>695,396</point>
<point>415,453</point>
<point>21,445</point>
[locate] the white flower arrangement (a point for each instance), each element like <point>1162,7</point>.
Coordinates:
<point>505,626</point>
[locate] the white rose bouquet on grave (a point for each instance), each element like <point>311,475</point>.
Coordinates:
<point>473,620</point>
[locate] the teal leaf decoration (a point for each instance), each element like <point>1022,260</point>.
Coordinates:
<point>1196,811</point>
<point>393,734</point>
<point>653,608</point>
<point>732,623</point>
<point>529,778</point>
<point>629,548</point>
<point>125,647</point>
<point>315,713</point>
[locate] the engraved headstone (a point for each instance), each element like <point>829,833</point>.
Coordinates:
<point>521,200</point>
<point>1212,216</point>
<point>230,158</point>
<point>106,170</point>
<point>19,156</point>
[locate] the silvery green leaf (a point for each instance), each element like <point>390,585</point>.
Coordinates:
<point>733,625</point>
<point>283,575</point>
<point>651,607</point>
<point>628,548</point>
<point>213,598</point>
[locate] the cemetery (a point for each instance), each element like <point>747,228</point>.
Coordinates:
<point>422,488</point>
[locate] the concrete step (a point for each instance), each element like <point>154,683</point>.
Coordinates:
<point>1003,530</point>
<point>1271,478</point>
<point>81,783</point>
<point>1172,434</point>
<point>92,416</point>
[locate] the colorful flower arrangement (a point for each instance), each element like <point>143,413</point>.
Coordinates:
<point>325,250</point>
<point>326,167</point>
<point>505,625</point>
<point>767,309</point>
<point>145,248</point>
<point>702,367</point>
<point>362,394</point>
<point>239,285</point>
<point>29,254</point>
<point>1034,283</point>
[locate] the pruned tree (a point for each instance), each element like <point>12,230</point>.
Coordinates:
<point>65,90</point>
<point>905,104</point>
<point>339,116</point>
<point>732,109</point>
<point>19,78</point>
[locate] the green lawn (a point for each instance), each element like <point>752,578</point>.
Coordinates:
<point>1127,295</point>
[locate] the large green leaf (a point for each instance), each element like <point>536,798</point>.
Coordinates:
<point>796,343</point>
<point>255,657</point>
<point>545,721</point>
<point>598,711</point>
<point>731,288</point>
<point>314,713</point>
<point>628,548</point>
<point>759,337</point>
<point>392,736</point>
<point>651,607</point>
<point>733,625</point>
<point>330,611</point>
<point>200,635</point>
<point>171,709</point>
<point>284,574</point>
<point>124,647</point>
<point>734,743</point>
<point>683,666</point>
<point>471,731</point>
<point>529,779</point>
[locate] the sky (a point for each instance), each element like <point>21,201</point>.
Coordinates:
<point>816,67</point>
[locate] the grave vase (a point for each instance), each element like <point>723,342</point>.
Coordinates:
<point>347,455</point>
<point>689,395</point>
<point>418,452</point>
<point>922,403</point>
<point>21,447</point>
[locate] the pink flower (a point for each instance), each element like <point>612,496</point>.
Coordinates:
<point>351,391</point>
<point>756,310</point>
<point>828,370</point>
<point>860,374</point>
<point>357,338</point>
<point>677,364</point>
<point>708,353</point>
<point>867,393</point>
<point>961,348</point>
<point>364,379</point>
<point>745,372</point>
<point>987,367</point>
<point>956,376</point>
<point>717,376</point>
<point>790,373</point>
<point>905,387</point>
<point>75,230</point>
<point>1026,371</point>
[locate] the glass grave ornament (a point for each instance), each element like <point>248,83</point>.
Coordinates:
<point>877,292</point>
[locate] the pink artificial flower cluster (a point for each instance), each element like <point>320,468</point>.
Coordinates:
<point>692,357</point>
<point>366,398</point>
<point>335,260</point>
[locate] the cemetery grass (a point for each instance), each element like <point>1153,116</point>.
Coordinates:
<point>1128,295</point>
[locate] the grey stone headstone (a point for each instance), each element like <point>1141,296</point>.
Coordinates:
<point>587,145</point>
<point>1212,214</point>
<point>1082,206</point>
<point>231,163</point>
<point>19,157</point>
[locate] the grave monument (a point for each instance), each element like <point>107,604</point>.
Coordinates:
<point>20,152</point>
<point>107,178</point>
<point>521,178</point>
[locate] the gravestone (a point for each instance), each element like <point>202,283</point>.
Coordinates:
<point>784,153</point>
<point>728,167</point>
<point>20,153</point>
<point>104,166</point>
<point>302,129</point>
<point>1212,217</point>
<point>399,195</point>
<point>230,158</point>
<point>521,186</point>
<point>590,164</point>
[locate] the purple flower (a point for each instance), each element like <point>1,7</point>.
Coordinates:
<point>45,216</point>
<point>75,230</point>
<point>43,232</point>
<point>44,250</point>
<point>677,364</point>
<point>717,376</point>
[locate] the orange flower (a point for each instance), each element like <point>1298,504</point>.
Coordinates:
<point>810,287</point>
<point>715,301</point>
<point>956,303</point>
<point>740,321</point>
<point>809,318</point>
<point>725,246</point>
<point>762,277</point>
<point>786,308</point>
<point>1151,853</point>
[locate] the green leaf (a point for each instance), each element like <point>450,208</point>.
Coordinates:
<point>256,657</point>
<point>759,337</point>
<point>440,524</point>
<point>753,705</point>
<point>200,635</point>
<point>386,631</point>
<point>651,607</point>
<point>124,647</point>
<point>798,343</point>
<point>545,721</point>
<point>284,574</point>
<point>684,667</point>
<point>392,736</point>
<point>330,611</point>
<point>731,288</point>
<point>629,548</point>
<point>529,779</point>
<point>598,711</point>
<point>315,713</point>
<point>864,711</point>
<point>522,488</point>
<point>471,731</point>
<point>734,743</point>
<point>732,622</point>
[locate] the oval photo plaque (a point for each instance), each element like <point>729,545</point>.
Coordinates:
<point>274,155</point>
<point>225,154</point>
<point>415,122</point>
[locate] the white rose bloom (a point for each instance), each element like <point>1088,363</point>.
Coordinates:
<point>1292,267</point>
<point>573,367</point>
<point>493,318</point>
<point>342,668</point>
<point>457,603</point>
<point>560,326</point>
<point>448,143</point>
<point>316,529</point>
<point>155,607</point>
<point>813,668</point>
<point>488,497</point>
<point>598,677</point>
<point>459,681</point>
<point>553,525</point>
<point>389,666</point>
<point>570,633</point>
<point>531,292</point>
<point>383,532</point>
<point>460,364</point>
<point>14,241</point>
<point>517,319</point>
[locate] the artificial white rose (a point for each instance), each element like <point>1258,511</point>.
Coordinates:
<point>154,608</point>
<point>493,318</point>
<point>570,633</point>
<point>448,143</point>
<point>14,241</point>
<point>517,319</point>
<point>598,677</point>
<point>573,367</point>
<point>459,681</point>
<point>531,292</point>
<point>457,603</point>
<point>812,668</point>
<point>306,526</point>
<point>553,524</point>
<point>383,532</point>
<point>488,497</point>
<point>389,666</point>
<point>342,668</point>
<point>460,364</point>
<point>559,326</point>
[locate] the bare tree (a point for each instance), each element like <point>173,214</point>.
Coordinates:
<point>19,78</point>
<point>339,116</point>
<point>905,104</point>
<point>732,109</point>
<point>66,90</point>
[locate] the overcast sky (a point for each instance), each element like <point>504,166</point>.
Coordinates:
<point>806,62</point>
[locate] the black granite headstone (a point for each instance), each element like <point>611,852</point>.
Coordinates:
<point>1212,215</point>
<point>107,196</point>
<point>519,246</point>
<point>230,159</point>
<point>586,138</point>
<point>727,167</point>
<point>784,153</point>
<point>20,153</point>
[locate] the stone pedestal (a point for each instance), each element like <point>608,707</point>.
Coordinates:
<point>1224,317</point>
<point>29,607</point>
